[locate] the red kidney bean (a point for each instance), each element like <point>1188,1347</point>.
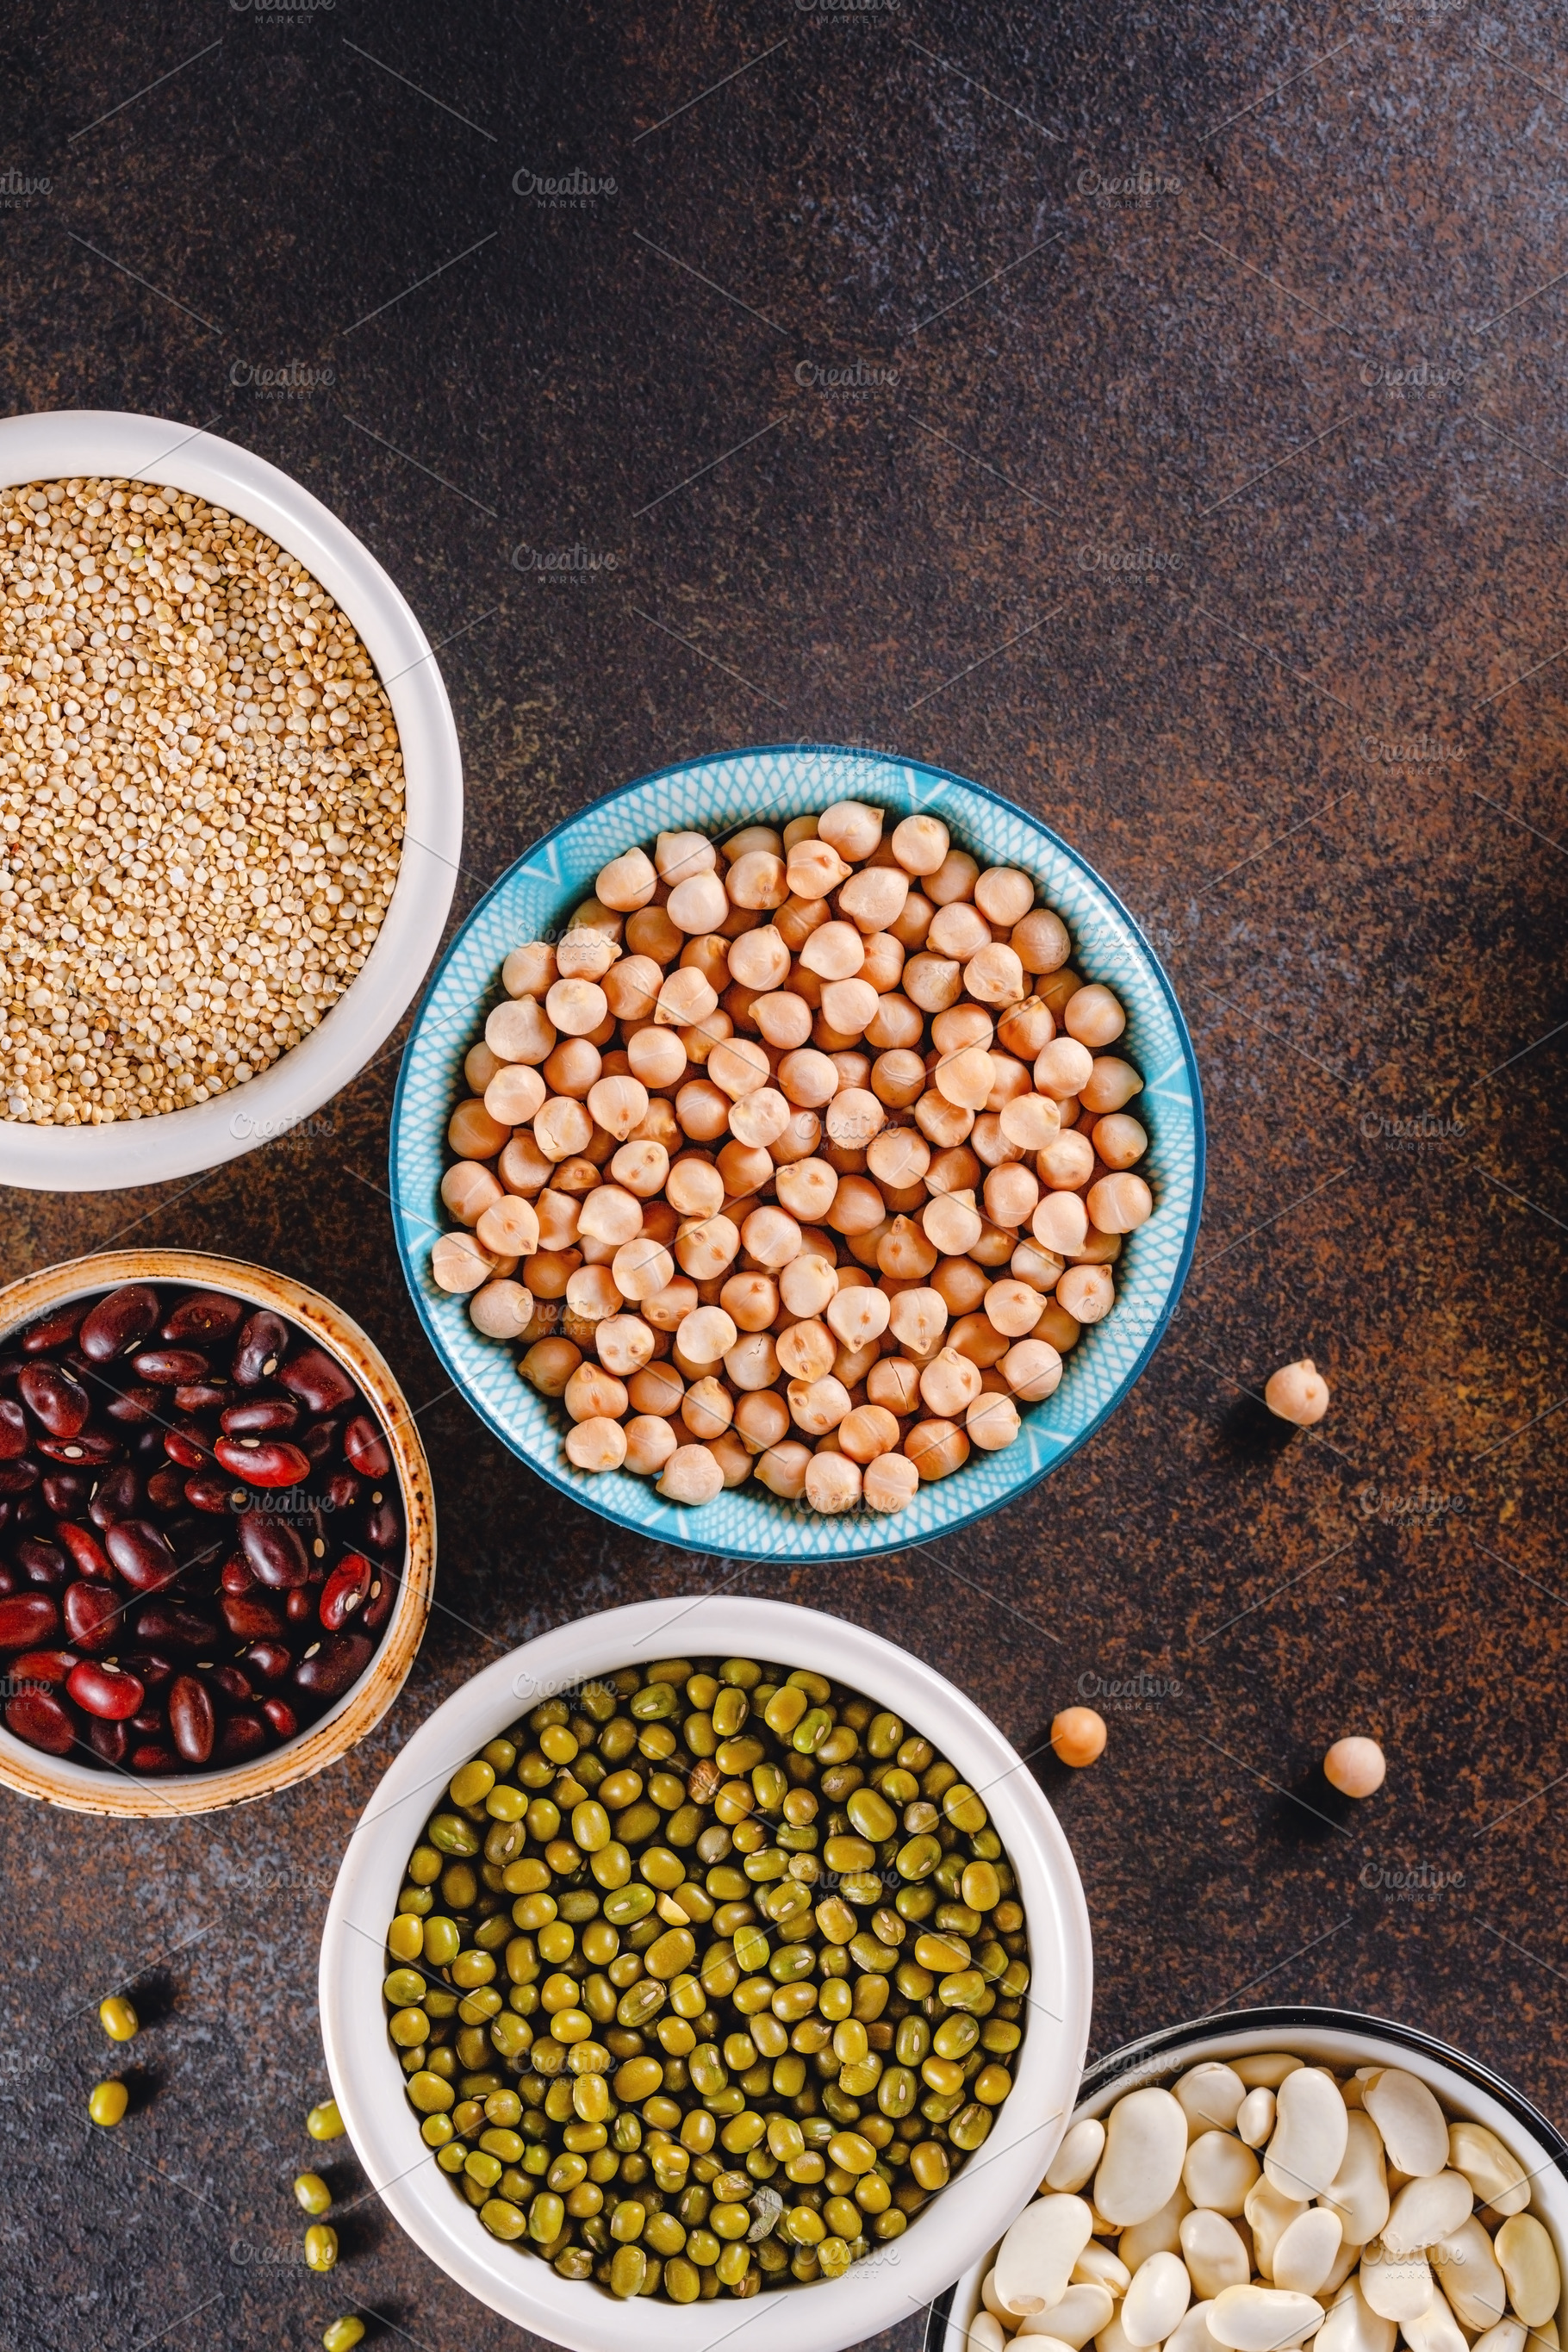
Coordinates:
<point>378,1608</point>
<point>106,1691</point>
<point>258,1417</point>
<point>254,1616</point>
<point>42,1563</point>
<point>202,1396</point>
<point>341,1660</point>
<point>237,1575</point>
<point>258,1350</point>
<point>41,1665</point>
<point>17,1477</point>
<point>92,1614</point>
<point>151,1668</point>
<point>164,1624</point>
<point>166,1488</point>
<point>154,1756</point>
<point>245,1734</point>
<point>89,1556</point>
<point>135,1406</point>
<point>318,1379</point>
<point>204,1314</point>
<point>365,1449</point>
<point>12,1429</point>
<point>87,1445</point>
<point>67,1494</point>
<point>193,1719</point>
<point>169,1368</point>
<point>208,1492</point>
<point>118,1322</point>
<point>270,1660</point>
<point>56,1330</point>
<point>273,1548</point>
<point>231,1684</point>
<point>342,1490</point>
<point>261,1461</point>
<point>140,1554</point>
<point>383,1527</point>
<point>11,1578</point>
<point>55,1398</point>
<point>281,1716</point>
<point>109,1740</point>
<point>116,1496</point>
<point>188,1447</point>
<point>300,1605</point>
<point>29,1621</point>
<point>319,1439</point>
<point>347,1590</point>
<point>42,1721</point>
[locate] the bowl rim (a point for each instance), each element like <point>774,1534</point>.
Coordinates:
<point>384,2131</point>
<point>59,443</point>
<point>79,1787</point>
<point>890,1539</point>
<point>1153,2056</point>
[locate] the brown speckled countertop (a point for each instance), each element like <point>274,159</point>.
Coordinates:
<point>1154,414</point>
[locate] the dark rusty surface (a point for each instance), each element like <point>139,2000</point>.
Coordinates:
<point>1129,514</point>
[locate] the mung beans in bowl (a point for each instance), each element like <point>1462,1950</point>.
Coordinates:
<point>687,2014</point>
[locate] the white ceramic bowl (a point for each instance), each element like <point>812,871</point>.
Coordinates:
<point>1342,2037</point>
<point>65,442</point>
<point>904,2275</point>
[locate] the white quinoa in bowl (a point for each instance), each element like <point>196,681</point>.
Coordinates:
<point>201,801</point>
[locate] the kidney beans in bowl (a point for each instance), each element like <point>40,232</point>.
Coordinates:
<point>217,1537</point>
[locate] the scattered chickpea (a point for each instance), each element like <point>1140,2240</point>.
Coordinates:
<point>1355,1767</point>
<point>1077,1736</point>
<point>1297,1392</point>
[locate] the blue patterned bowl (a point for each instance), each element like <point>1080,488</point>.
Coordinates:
<point>769,786</point>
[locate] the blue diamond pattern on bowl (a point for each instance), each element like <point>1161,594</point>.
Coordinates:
<point>715,795</point>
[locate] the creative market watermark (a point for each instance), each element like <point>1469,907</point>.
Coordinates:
<point>1415,1137</point>
<point>1412,383</point>
<point>296,1127</point>
<point>295,380</point>
<point>572,191</point>
<point>1128,1694</point>
<point>20,188</point>
<point>1136,563</point>
<point>1408,752</point>
<point>1144,184</point>
<point>1409,1882</point>
<point>840,381</point>
<point>573,566</point>
<point>1414,1506</point>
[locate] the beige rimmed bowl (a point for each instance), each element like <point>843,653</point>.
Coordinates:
<point>80,1788</point>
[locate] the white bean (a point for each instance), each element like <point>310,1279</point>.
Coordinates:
<point>1099,2266</point>
<point>1255,2117</point>
<point>1425,2209</point>
<point>1529,2265</point>
<point>1035,2259</point>
<point>1358,2190</point>
<point>985,2333</point>
<point>1340,2269</point>
<point>1145,2147</point>
<point>1210,2094</point>
<point>1353,2326</point>
<point>1075,2160</point>
<point>1436,2329</point>
<point>1159,2295</point>
<point>1497,2177</point>
<point>1412,2123</point>
<point>1305,2253</point>
<point>1508,2336</point>
<point>1213,2252</point>
<point>1470,2277</point>
<point>1082,2312</point>
<point>1262,2318</point>
<point>1193,2333</point>
<point>1397,2286</point>
<point>1268,2067</point>
<point>1112,2337</point>
<point>1159,2234</point>
<point>1310,2132</point>
<point>1219,2172</point>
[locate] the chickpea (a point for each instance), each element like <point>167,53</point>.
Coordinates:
<point>590,1293</point>
<point>739,1067</point>
<point>480,1066</point>
<point>692,1475</point>
<point>918,1319</point>
<point>694,1187</point>
<point>591,1392</point>
<point>1031,1122</point>
<point>610,1215</point>
<point>1032,1369</point>
<point>1041,942</point>
<point>657,1056</point>
<point>846,1006</point>
<point>953,880</point>
<point>1057,1325</point>
<point>572,1067</point>
<point>903,1252</point>
<point>806,1286</point>
<point>668,1308</point>
<point>549,1271</point>
<point>834,951</point>
<point>936,1448</point>
<point>772,1237</point>
<point>854,828</point>
<point>933,981</point>
<point>759,958</point>
<point>894,1382</point>
<point>1120,1204</point>
<point>757,879</point>
<point>641,1269</point>
<point>858,1207</point>
<point>949,1383</point>
<point>508,1226</point>
<point>898,1157</point>
<point>874,898</point>
<point>459,1262</point>
<point>814,869</point>
<point>817,1406</point>
<point>783,1468</point>
<point>889,1483</point>
<point>641,1169</point>
<point>702,1110</point>
<point>1119,1140</point>
<point>650,932</point>
<point>513,1093</point>
<point>733,1457</point>
<point>761,1119</point>
<point>1086,1292</point>
<point>528,971</point>
<point>631,988</point>
<point>686,997</point>
<point>1013,1308</point>
<point>920,844</point>
<point>705,1335</point>
<point>656,1390</point>
<point>1062,1067</point>
<point>978,1338</point>
<point>1027,1029</point>
<point>1077,1736</point>
<point>744,1170</point>
<point>1065,1162</point>
<point>858,1314</point>
<point>627,882</point>
<point>1297,1392</point>
<point>596,1443</point>
<point>1004,895</point>
<point>467,1190</point>
<point>1356,1767</point>
<point>751,1300</point>
<point>966,1077</point>
<point>707,1408</point>
<point>868,1430</point>
<point>1094,1016</point>
<point>941,1122</point>
<point>473,1133</point>
<point>576,1006</point>
<point>1060,1224</point>
<point>960,1283</point>
<point>962,1026</point>
<point>1040,1268</point>
<point>807,1350</point>
<point>753,1361</point>
<point>1011,1195</point>
<point>761,1419</point>
<point>677,855</point>
<point>618,1104</point>
<point>832,1483</point>
<point>784,1020</point>
<point>562,1127</point>
<point>623,1343</point>
<point>991,1422</point>
<point>796,919</point>
<point>549,1365</point>
<point>960,931</point>
<point>502,1310</point>
<point>911,928</point>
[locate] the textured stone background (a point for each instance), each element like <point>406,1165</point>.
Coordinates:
<point>1313,735</point>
